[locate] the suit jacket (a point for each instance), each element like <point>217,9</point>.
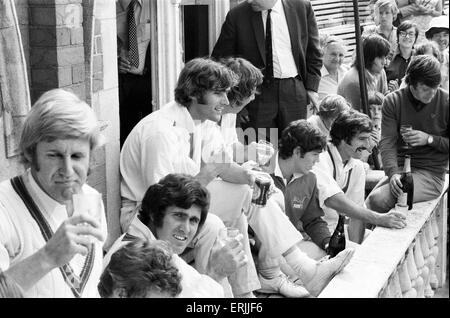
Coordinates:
<point>243,35</point>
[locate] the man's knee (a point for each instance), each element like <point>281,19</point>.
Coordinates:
<point>380,200</point>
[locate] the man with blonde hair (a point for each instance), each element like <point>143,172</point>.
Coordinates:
<point>46,246</point>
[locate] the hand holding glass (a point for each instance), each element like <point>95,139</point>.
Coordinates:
<point>404,129</point>
<point>88,203</point>
<point>264,152</point>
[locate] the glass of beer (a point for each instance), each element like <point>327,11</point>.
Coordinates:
<point>404,129</point>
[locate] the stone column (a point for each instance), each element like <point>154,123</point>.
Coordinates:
<point>56,46</point>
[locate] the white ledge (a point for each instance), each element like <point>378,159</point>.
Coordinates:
<point>377,258</point>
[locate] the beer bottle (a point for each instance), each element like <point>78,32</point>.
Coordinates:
<point>407,185</point>
<point>337,240</point>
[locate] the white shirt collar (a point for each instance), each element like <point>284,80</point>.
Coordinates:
<point>277,7</point>
<point>180,116</point>
<point>338,159</point>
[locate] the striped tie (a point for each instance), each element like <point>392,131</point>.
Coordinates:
<point>132,36</point>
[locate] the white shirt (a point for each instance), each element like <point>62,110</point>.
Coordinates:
<point>283,59</point>
<point>160,144</point>
<point>228,130</point>
<point>20,237</point>
<point>355,182</point>
<point>327,83</point>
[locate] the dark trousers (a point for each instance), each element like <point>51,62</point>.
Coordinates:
<point>135,98</point>
<point>279,103</point>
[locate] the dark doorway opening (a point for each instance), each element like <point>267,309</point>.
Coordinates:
<point>196,33</point>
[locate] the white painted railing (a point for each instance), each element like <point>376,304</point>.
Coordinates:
<point>408,263</point>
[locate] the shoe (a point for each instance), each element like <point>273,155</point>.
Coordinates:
<point>326,269</point>
<point>281,285</point>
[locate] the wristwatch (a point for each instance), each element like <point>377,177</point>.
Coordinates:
<point>429,140</point>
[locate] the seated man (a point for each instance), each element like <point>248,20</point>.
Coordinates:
<point>141,269</point>
<point>174,210</point>
<point>341,176</point>
<point>423,105</point>
<point>299,148</point>
<point>49,249</point>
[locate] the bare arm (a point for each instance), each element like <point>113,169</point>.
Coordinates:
<point>341,203</point>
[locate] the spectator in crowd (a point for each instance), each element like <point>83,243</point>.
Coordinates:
<point>438,32</point>
<point>407,33</point>
<point>329,108</point>
<point>49,249</point>
<point>9,288</point>
<point>333,69</point>
<point>375,100</point>
<point>134,63</point>
<point>341,176</point>
<point>384,14</point>
<point>424,106</point>
<point>428,48</point>
<point>269,222</point>
<point>280,37</point>
<point>141,269</point>
<point>375,51</point>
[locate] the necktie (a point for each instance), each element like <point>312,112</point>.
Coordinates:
<point>132,36</point>
<point>269,59</point>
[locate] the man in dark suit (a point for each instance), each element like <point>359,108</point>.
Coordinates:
<point>281,38</point>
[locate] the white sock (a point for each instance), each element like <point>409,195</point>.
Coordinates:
<point>302,264</point>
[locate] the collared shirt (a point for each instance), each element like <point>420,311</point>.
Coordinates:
<point>283,59</point>
<point>350,177</point>
<point>328,85</point>
<point>142,17</point>
<point>20,237</point>
<point>161,144</point>
<point>397,68</point>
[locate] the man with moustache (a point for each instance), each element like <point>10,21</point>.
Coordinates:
<point>423,105</point>
<point>46,247</point>
<point>341,177</point>
<point>281,38</point>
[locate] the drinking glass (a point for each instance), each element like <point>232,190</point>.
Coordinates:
<point>402,208</point>
<point>264,152</point>
<point>88,203</point>
<point>227,234</point>
<point>403,130</point>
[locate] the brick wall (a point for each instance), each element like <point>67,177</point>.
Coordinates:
<point>56,46</point>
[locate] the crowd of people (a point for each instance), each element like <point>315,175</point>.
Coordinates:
<point>274,102</point>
